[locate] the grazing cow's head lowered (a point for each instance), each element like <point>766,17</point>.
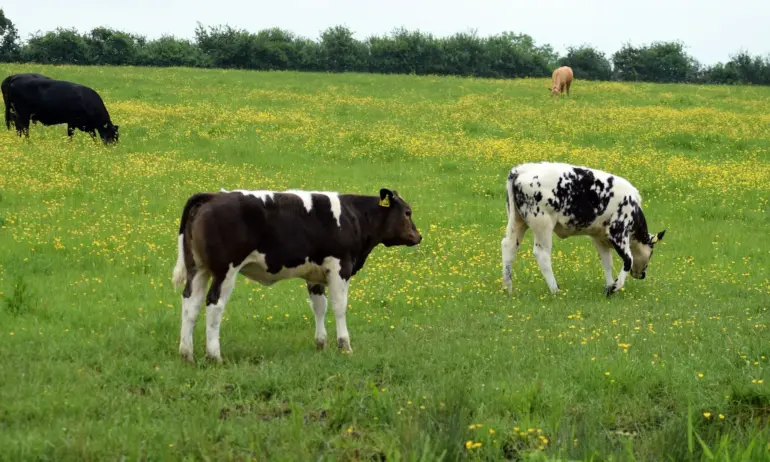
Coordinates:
<point>109,133</point>
<point>399,229</point>
<point>642,252</point>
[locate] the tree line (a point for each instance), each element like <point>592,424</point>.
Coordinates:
<point>506,55</point>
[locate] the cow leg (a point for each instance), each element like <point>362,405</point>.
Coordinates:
<point>318,304</point>
<point>219,294</point>
<point>70,131</point>
<point>22,124</point>
<point>338,280</point>
<point>623,248</point>
<point>605,257</point>
<point>514,234</point>
<point>192,300</point>
<point>542,251</point>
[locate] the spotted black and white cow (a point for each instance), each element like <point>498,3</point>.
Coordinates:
<point>321,237</point>
<point>570,200</point>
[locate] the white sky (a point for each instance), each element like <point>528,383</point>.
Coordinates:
<point>711,29</point>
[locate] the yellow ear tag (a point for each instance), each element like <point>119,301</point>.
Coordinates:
<point>385,202</point>
<point>654,239</point>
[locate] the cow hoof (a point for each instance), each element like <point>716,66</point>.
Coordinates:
<point>609,290</point>
<point>215,358</point>
<point>320,344</point>
<point>186,355</point>
<point>344,345</point>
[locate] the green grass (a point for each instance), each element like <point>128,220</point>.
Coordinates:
<point>673,367</point>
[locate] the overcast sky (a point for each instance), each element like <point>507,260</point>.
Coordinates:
<point>711,29</point>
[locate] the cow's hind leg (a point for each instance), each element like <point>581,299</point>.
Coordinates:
<point>514,234</point>
<point>317,295</point>
<point>192,300</point>
<point>219,293</point>
<point>542,250</point>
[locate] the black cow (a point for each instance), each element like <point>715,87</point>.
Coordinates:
<point>321,237</point>
<point>37,98</point>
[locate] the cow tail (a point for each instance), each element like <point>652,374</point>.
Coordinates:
<point>7,108</point>
<point>510,202</point>
<point>179,276</point>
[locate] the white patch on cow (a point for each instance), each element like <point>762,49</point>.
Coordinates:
<point>307,201</point>
<point>305,196</point>
<point>254,267</point>
<point>259,194</point>
<point>180,270</point>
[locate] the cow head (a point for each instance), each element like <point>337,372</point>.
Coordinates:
<point>109,133</point>
<point>398,227</point>
<point>642,253</point>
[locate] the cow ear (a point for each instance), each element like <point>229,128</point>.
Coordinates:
<point>385,197</point>
<point>654,238</point>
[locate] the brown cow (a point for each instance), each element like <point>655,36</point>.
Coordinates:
<point>562,79</point>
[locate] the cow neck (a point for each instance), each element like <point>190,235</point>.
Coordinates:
<point>372,220</point>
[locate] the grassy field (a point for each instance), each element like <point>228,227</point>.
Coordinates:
<point>445,364</point>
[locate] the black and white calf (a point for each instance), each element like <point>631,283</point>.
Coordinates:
<point>321,237</point>
<point>570,200</point>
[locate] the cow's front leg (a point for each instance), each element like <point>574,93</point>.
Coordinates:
<point>318,304</point>
<point>604,249</point>
<point>338,278</point>
<point>623,248</point>
<point>70,131</point>
<point>22,124</point>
